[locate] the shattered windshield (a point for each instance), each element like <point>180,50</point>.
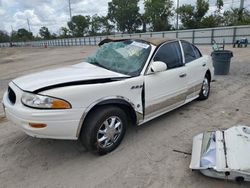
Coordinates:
<point>126,57</point>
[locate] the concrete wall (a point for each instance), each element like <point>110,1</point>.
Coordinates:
<point>195,36</point>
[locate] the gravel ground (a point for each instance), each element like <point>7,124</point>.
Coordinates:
<point>145,158</point>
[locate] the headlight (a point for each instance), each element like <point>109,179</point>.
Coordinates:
<point>45,102</point>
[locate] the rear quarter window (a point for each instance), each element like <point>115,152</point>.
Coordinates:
<point>197,52</point>
<point>191,52</point>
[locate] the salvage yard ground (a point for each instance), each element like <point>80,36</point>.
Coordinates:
<point>145,158</point>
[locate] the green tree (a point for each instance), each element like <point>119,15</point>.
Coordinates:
<point>215,19</point>
<point>4,37</point>
<point>79,25</point>
<point>191,16</point>
<point>45,33</point>
<point>107,27</point>
<point>144,21</point>
<point>64,32</point>
<point>236,17</point>
<point>21,35</point>
<point>95,25</point>
<point>125,13</point>
<point>202,7</point>
<point>212,20</point>
<point>53,36</point>
<point>158,13</point>
<point>14,36</point>
<point>187,16</point>
<point>219,5</point>
<point>100,25</point>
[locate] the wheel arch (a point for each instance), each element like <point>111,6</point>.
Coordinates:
<point>208,72</point>
<point>121,102</point>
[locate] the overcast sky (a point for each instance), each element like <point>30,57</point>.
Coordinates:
<point>55,13</point>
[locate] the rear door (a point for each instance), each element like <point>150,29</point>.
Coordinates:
<point>166,90</point>
<point>196,68</point>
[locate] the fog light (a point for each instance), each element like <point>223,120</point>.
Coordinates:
<point>37,125</point>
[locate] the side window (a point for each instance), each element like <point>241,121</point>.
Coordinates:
<point>197,52</point>
<point>189,52</point>
<point>170,54</point>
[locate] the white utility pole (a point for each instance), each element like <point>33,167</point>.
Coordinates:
<point>70,15</point>
<point>28,22</point>
<point>241,4</point>
<point>177,16</point>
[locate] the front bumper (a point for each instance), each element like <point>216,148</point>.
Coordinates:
<point>61,124</point>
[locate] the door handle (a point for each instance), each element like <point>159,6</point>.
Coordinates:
<point>182,75</point>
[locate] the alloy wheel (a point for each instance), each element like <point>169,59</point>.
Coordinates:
<point>109,132</point>
<point>205,87</point>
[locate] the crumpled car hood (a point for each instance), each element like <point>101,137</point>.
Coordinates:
<point>74,73</point>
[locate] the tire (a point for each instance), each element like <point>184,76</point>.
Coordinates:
<point>205,88</point>
<point>104,129</point>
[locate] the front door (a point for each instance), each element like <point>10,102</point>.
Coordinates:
<point>166,90</point>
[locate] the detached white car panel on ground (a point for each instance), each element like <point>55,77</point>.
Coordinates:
<point>223,154</point>
<point>127,81</point>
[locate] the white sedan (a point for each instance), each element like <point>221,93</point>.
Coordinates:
<point>126,81</point>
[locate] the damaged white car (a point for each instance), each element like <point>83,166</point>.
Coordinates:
<point>127,81</point>
<point>223,154</point>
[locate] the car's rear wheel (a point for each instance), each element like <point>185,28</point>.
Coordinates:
<point>205,88</point>
<point>104,129</point>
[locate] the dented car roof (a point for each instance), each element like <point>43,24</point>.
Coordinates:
<point>154,41</point>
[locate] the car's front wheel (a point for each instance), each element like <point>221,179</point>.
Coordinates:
<point>104,129</point>
<point>205,88</point>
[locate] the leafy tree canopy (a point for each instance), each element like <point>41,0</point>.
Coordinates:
<point>64,32</point>
<point>236,17</point>
<point>100,25</point>
<point>158,13</point>
<point>45,33</point>
<point>191,16</point>
<point>79,25</point>
<point>4,37</point>
<point>125,13</point>
<point>21,35</point>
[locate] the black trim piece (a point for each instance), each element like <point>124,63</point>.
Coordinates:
<point>80,82</point>
<point>115,101</point>
<point>143,99</point>
<point>225,148</point>
<point>108,40</point>
<point>11,95</point>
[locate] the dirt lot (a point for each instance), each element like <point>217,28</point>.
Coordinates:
<point>145,158</point>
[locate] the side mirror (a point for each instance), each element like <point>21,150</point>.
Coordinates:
<point>158,66</point>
